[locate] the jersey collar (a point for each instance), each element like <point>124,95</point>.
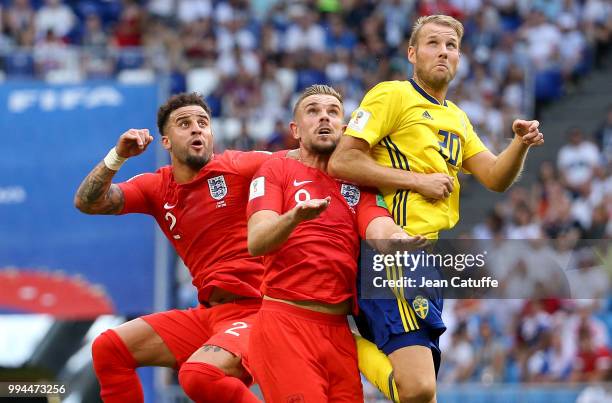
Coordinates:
<point>425,94</point>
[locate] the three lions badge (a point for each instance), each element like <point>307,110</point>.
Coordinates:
<point>350,193</point>
<point>217,187</point>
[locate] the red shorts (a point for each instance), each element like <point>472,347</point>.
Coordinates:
<point>298,355</point>
<point>227,326</point>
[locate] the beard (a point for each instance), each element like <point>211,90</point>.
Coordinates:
<point>322,148</point>
<point>195,162</point>
<point>435,81</point>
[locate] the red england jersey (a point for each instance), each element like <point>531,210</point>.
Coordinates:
<point>319,260</point>
<point>205,219</point>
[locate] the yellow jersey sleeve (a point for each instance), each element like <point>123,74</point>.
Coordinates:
<point>377,114</point>
<point>473,144</point>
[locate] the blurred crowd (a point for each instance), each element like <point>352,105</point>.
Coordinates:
<point>512,340</point>
<point>555,243</point>
<point>250,58</point>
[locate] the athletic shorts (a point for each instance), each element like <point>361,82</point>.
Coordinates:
<point>395,323</point>
<point>298,355</point>
<point>227,326</point>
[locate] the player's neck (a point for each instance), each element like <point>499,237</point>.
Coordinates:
<point>313,160</point>
<point>183,173</point>
<point>439,95</point>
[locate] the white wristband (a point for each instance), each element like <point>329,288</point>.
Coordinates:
<point>113,161</point>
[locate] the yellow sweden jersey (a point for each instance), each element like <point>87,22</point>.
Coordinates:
<point>409,129</point>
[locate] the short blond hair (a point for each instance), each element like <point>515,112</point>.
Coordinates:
<point>317,89</point>
<point>435,19</point>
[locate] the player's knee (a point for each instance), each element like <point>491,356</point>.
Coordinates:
<point>109,353</point>
<point>189,381</point>
<point>416,390</point>
<point>199,381</point>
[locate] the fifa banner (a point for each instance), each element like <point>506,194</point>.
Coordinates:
<point>53,258</point>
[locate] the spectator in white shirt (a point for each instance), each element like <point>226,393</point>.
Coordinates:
<point>56,17</point>
<point>577,160</point>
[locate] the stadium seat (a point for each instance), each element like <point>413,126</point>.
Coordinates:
<point>548,85</point>
<point>109,11</point>
<point>203,80</point>
<point>308,77</point>
<point>87,7</point>
<point>177,82</point>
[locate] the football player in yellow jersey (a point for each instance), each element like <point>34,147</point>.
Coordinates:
<point>410,142</point>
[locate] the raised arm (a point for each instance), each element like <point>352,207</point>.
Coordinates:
<point>499,172</point>
<point>97,194</point>
<point>268,230</point>
<point>352,162</point>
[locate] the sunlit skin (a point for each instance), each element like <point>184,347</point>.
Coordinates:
<point>318,125</point>
<point>189,139</point>
<point>435,57</point>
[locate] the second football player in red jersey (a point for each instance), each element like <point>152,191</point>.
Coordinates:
<point>308,225</point>
<point>199,202</point>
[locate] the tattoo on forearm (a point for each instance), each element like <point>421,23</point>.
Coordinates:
<point>97,195</point>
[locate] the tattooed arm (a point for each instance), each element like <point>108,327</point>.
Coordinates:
<point>96,194</point>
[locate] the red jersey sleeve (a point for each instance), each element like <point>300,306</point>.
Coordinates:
<point>266,190</point>
<point>247,163</point>
<point>136,193</point>
<point>371,205</point>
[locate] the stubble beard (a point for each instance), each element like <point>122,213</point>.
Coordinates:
<point>435,82</point>
<point>195,162</point>
<point>322,149</point>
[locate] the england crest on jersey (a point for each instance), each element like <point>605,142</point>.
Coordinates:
<point>217,187</point>
<point>351,194</point>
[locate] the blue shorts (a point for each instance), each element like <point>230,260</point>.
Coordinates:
<point>406,315</point>
<point>395,323</point>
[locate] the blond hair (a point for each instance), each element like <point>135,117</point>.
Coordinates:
<point>317,89</point>
<point>439,19</point>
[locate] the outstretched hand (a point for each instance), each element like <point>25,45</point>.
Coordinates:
<point>400,241</point>
<point>310,209</point>
<point>528,131</point>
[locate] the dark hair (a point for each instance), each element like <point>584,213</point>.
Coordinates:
<point>178,101</point>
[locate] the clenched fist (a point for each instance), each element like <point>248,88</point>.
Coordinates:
<point>133,142</point>
<point>528,131</point>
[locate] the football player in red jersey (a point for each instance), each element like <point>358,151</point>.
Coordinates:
<point>199,202</point>
<point>307,224</point>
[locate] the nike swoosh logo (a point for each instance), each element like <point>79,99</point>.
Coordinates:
<point>168,207</point>
<point>296,183</point>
